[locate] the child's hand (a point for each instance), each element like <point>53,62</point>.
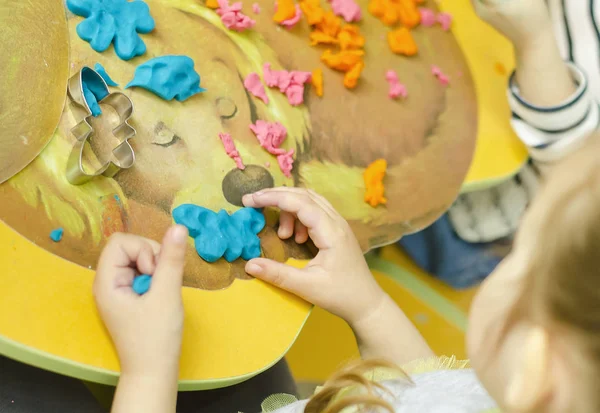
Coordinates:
<point>146,330</point>
<point>521,21</point>
<point>338,278</point>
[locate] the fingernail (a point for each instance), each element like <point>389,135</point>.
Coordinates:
<point>178,234</point>
<point>252,268</point>
<point>259,193</point>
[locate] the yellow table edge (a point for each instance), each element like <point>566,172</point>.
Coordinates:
<point>46,361</point>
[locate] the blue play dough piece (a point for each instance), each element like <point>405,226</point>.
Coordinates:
<point>113,21</point>
<point>219,234</point>
<point>102,72</point>
<point>93,90</point>
<point>57,234</point>
<point>141,284</point>
<point>168,77</point>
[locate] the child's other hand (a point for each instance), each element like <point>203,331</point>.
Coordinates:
<point>338,278</point>
<point>146,330</point>
<point>521,21</point>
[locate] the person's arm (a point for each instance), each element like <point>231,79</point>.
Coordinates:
<point>543,76</point>
<point>387,333</point>
<point>146,330</point>
<point>338,278</point>
<point>155,393</point>
<point>553,110</point>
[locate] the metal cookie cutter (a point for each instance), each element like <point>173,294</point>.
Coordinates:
<point>88,82</point>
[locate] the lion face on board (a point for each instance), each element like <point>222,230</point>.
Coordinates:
<point>181,160</point>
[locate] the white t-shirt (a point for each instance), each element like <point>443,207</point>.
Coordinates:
<point>445,391</point>
<point>550,133</point>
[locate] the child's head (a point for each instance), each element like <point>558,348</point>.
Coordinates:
<point>534,334</point>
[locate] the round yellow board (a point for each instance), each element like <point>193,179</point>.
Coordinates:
<point>47,314</point>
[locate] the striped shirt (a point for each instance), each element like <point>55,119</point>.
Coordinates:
<point>550,133</point>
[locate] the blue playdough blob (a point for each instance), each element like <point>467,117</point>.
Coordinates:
<point>57,234</point>
<point>219,234</point>
<point>141,284</point>
<point>93,90</point>
<point>168,77</point>
<point>113,21</point>
<point>102,72</point>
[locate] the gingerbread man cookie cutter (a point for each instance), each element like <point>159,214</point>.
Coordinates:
<point>123,155</point>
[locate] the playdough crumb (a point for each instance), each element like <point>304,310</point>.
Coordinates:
<point>212,4</point>
<point>397,89</point>
<point>57,234</point>
<point>347,9</point>
<point>102,72</point>
<point>349,37</point>
<point>437,72</point>
<point>427,17</point>
<point>256,8</point>
<point>402,42</point>
<point>290,83</point>
<point>230,150</point>
<point>168,77</point>
<point>267,164</point>
<point>445,20</point>
<point>317,81</point>
<point>373,178</point>
<point>284,10</point>
<point>342,61</point>
<point>289,23</point>
<point>232,16</point>
<point>141,284</point>
<point>253,85</point>
<point>351,77</point>
<point>500,69</point>
<point>286,162</point>
<point>313,11</point>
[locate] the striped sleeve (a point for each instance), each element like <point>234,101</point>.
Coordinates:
<point>553,132</point>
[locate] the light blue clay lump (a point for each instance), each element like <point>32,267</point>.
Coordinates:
<point>141,284</point>
<point>219,234</point>
<point>113,21</point>
<point>57,234</point>
<point>102,72</point>
<point>168,77</point>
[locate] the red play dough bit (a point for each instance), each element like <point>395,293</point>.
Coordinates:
<point>437,72</point>
<point>253,85</point>
<point>289,23</point>
<point>397,89</point>
<point>349,10</point>
<point>256,8</point>
<point>428,18</point>
<point>290,83</point>
<point>232,16</point>
<point>286,162</point>
<point>445,20</point>
<point>231,151</point>
<point>271,136</point>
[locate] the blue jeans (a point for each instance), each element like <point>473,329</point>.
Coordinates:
<point>440,252</point>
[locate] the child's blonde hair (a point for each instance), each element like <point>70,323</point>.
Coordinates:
<point>562,285</point>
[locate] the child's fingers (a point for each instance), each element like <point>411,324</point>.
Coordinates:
<point>301,233</point>
<point>123,254</point>
<point>168,276</point>
<point>286,225</point>
<point>283,276</point>
<point>299,203</point>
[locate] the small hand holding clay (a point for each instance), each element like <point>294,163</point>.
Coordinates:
<point>338,278</point>
<point>146,330</point>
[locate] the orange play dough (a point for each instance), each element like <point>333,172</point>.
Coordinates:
<point>402,42</point>
<point>373,177</point>
<point>317,81</point>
